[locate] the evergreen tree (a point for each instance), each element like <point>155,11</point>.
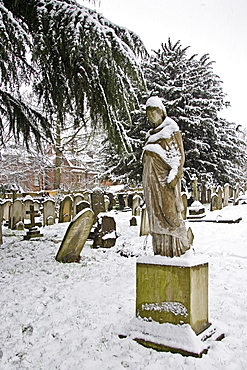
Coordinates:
<point>193,97</point>
<point>79,61</point>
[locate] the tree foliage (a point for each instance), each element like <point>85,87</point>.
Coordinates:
<point>193,97</point>
<point>80,62</point>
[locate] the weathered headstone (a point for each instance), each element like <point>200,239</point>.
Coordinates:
<point>125,199</point>
<point>219,193</point>
<point>105,233</point>
<point>27,202</point>
<point>203,192</point>
<point>49,212</point>
<point>16,213</point>
<point>133,221</point>
<point>107,202</point>
<point>121,203</point>
<point>136,208</point>
<point>87,196</point>
<point>214,202</point>
<point>76,236</point>
<point>65,210</point>
<point>226,195</point>
<point>6,209</point>
<point>98,203</point>
<point>209,193</point>
<point>144,227</point>
<point>236,193</point>
<point>196,210</point>
<point>82,205</point>
<point>1,220</point>
<point>77,199</point>
<point>195,188</point>
<point>33,230</point>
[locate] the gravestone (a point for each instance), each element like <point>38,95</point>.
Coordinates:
<point>77,199</point>
<point>203,196</point>
<point>196,210</point>
<point>87,196</point>
<point>144,227</point>
<point>6,209</point>
<point>219,193</point>
<point>195,188</point>
<point>33,230</point>
<point>98,202</point>
<point>209,193</point>
<point>185,205</point>
<point>27,202</point>
<point>16,213</point>
<point>107,202</point>
<point>236,193</point>
<point>82,205</point>
<point>121,203</point>
<point>133,221</point>
<point>76,236</point>
<point>111,199</point>
<point>226,195</point>
<point>136,208</point>
<point>214,202</point>
<point>49,212</point>
<point>125,199</point>
<point>65,210</point>
<point>105,232</point>
<point>1,221</point>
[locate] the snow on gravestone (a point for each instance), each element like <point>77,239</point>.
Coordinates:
<point>49,212</point>
<point>16,213</point>
<point>76,236</point>
<point>98,202</point>
<point>65,210</point>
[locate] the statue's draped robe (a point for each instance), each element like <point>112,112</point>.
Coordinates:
<point>163,159</point>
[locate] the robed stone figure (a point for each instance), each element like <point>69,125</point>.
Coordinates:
<point>163,159</point>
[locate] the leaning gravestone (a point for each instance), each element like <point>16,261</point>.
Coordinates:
<point>76,236</point>
<point>65,210</point>
<point>49,212</point>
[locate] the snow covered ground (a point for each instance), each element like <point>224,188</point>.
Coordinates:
<point>68,316</point>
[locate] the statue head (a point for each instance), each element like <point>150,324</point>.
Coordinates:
<point>155,111</point>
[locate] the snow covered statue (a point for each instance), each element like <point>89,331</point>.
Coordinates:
<point>163,159</point>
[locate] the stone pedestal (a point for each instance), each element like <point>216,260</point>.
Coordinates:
<point>172,306</point>
<point>173,290</point>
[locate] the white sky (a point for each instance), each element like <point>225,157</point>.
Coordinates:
<point>217,27</point>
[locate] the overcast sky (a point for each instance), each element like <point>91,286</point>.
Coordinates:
<point>217,27</point>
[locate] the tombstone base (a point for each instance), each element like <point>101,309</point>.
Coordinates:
<point>173,290</point>
<point>172,338</point>
<point>33,233</point>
